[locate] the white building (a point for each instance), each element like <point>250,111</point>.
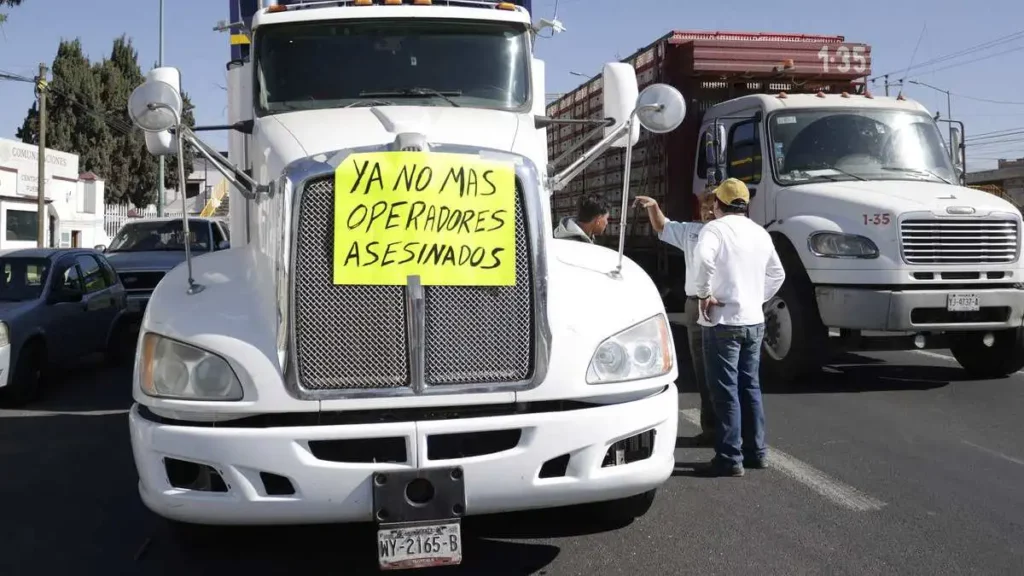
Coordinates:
<point>74,202</point>
<point>199,187</point>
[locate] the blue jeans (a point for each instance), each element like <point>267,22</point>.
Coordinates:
<point>732,356</point>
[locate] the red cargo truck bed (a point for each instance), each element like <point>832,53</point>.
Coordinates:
<point>708,68</point>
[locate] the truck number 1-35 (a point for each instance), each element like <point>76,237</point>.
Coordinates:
<point>877,219</point>
<point>844,58</point>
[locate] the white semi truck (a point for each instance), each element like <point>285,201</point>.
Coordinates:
<point>394,336</point>
<point>883,246</point>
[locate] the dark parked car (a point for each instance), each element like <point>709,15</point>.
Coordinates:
<point>144,250</point>
<point>56,306</point>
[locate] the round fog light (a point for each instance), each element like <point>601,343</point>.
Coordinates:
<point>988,339</point>
<point>919,341</point>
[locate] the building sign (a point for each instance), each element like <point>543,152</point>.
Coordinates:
<point>25,159</point>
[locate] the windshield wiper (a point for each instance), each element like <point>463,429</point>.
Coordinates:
<point>829,177</point>
<point>361,103</point>
<point>907,170</point>
<point>416,93</point>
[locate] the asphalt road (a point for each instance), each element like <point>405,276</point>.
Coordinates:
<point>886,463</point>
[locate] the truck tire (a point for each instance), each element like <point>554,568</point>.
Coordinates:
<point>624,510</point>
<point>795,340</point>
<point>1004,357</point>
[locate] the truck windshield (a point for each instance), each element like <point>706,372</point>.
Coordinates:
<point>417,62</point>
<point>22,278</point>
<point>160,235</point>
<point>857,144</point>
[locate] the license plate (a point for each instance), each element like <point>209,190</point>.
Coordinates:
<point>420,546</point>
<point>958,302</point>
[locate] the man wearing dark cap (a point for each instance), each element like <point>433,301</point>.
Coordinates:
<point>738,270</point>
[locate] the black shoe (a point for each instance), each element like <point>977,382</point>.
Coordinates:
<point>755,463</point>
<point>718,469</point>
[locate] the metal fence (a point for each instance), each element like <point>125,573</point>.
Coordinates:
<point>115,215</point>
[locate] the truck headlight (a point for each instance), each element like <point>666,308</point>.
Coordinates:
<point>5,334</point>
<point>172,369</point>
<point>641,351</point>
<point>838,245</point>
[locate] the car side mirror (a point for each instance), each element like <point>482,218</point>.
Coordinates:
<point>100,248</point>
<point>223,245</point>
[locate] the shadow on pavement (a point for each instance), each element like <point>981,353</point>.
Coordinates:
<point>872,376</point>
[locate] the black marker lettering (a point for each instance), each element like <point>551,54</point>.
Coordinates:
<point>412,222</point>
<point>406,174</point>
<point>449,255</point>
<point>501,221</point>
<point>465,253</point>
<point>431,218</point>
<point>467,216</point>
<point>492,188</point>
<point>457,175</point>
<point>388,253</point>
<point>361,209</point>
<point>444,214</point>
<point>370,249</point>
<point>376,212</point>
<point>375,176</point>
<point>480,221</point>
<point>471,183</point>
<point>359,175</point>
<point>494,256</point>
<point>388,225</point>
<point>453,222</point>
<point>478,256</point>
<point>353,253</point>
<point>409,250</point>
<point>423,178</point>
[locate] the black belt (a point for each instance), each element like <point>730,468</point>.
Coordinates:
<point>688,297</point>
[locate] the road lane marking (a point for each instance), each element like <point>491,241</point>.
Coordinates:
<point>947,358</point>
<point>991,452</point>
<point>837,492</point>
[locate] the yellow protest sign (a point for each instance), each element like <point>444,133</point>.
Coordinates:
<point>448,218</point>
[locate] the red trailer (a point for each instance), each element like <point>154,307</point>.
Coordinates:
<point>708,68</point>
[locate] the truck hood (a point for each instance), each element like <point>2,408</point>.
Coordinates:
<point>894,197</point>
<point>294,135</point>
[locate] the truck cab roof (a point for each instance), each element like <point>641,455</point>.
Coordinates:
<point>342,10</point>
<point>772,102</point>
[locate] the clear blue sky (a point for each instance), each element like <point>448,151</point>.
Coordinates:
<point>597,31</point>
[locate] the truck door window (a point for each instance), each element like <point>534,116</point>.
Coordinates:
<point>335,64</point>
<point>744,152</point>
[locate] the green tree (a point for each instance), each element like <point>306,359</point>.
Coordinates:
<point>11,3</point>
<point>87,114</point>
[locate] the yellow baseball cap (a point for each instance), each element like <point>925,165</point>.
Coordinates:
<point>732,192</point>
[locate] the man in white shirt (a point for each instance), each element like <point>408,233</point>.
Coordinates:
<point>683,235</point>
<point>738,270</point>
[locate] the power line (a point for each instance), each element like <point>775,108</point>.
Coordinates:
<point>964,63</point>
<point>963,52</point>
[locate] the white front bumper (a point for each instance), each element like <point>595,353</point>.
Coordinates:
<point>341,492</point>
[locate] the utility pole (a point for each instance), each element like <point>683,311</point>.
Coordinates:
<point>886,84</point>
<point>160,169</point>
<point>41,176</point>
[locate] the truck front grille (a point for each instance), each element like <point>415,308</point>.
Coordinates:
<point>144,281</point>
<point>354,337</point>
<point>959,241</point>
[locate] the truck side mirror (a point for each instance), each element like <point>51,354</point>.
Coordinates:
<point>956,143</point>
<point>620,91</point>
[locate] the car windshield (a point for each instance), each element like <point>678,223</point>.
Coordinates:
<point>408,62</point>
<point>23,278</point>
<point>161,235</point>
<point>857,144</point>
